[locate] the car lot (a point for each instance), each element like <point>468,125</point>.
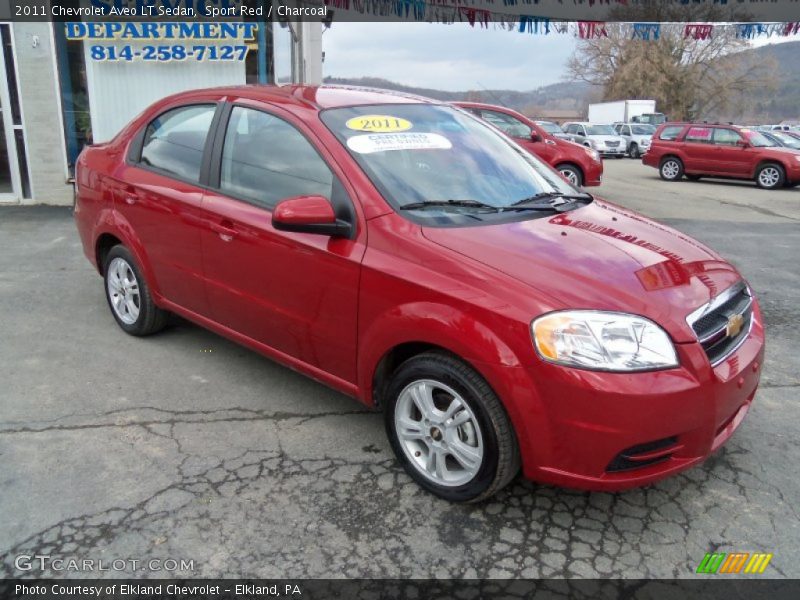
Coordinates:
<point>186,446</point>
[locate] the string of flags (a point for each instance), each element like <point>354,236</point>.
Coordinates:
<point>458,11</point>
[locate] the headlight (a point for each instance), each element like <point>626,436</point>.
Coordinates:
<point>644,142</point>
<point>604,341</point>
<point>797,156</point>
<point>595,143</point>
<point>593,153</point>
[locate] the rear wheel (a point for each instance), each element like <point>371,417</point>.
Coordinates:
<point>449,430</point>
<point>693,177</point>
<point>634,151</point>
<point>571,174</point>
<point>770,176</point>
<point>671,169</point>
<point>129,296</point>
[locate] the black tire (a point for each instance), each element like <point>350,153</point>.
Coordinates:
<point>150,318</point>
<point>693,177</point>
<point>634,151</point>
<point>618,156</point>
<point>571,172</point>
<point>500,462</point>
<point>671,168</point>
<point>776,178</point>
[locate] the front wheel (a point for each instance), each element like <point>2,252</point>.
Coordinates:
<point>671,169</point>
<point>770,176</point>
<point>571,174</point>
<point>634,151</point>
<point>129,296</point>
<point>449,430</point>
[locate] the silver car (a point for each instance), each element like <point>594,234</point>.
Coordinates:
<point>553,129</point>
<point>637,137</point>
<point>602,138</point>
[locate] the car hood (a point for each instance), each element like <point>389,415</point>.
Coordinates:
<point>600,257</point>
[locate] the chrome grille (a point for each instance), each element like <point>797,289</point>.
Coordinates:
<point>710,322</point>
<point>612,144</point>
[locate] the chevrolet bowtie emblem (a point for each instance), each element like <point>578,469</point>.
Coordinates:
<point>734,325</point>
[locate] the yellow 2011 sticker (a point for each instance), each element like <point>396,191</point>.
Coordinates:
<point>379,124</point>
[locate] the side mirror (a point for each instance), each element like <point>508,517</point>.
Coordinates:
<point>743,143</point>
<point>309,214</point>
<point>580,133</point>
<point>535,137</point>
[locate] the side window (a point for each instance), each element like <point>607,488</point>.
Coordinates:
<point>507,124</point>
<point>266,160</point>
<point>569,129</point>
<point>580,130</point>
<point>626,130</point>
<point>174,141</point>
<point>701,135</point>
<point>670,133</point>
<point>726,137</point>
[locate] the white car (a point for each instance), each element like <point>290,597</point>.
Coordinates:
<point>601,138</point>
<point>637,137</point>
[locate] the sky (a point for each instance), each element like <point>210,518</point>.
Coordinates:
<point>447,57</point>
<point>453,57</point>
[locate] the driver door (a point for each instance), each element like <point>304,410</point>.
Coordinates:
<point>294,292</point>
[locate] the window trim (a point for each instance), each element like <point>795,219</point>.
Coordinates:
<point>341,199</point>
<point>134,154</point>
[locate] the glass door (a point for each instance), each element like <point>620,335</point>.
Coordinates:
<point>10,121</point>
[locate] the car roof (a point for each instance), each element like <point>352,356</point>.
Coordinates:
<point>318,97</point>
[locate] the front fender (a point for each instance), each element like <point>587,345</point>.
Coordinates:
<point>469,338</point>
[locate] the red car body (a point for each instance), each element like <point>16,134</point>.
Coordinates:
<point>695,145</point>
<point>343,310</point>
<point>554,151</point>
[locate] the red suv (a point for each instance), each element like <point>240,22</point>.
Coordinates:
<point>726,151</point>
<point>405,253</point>
<point>581,166</point>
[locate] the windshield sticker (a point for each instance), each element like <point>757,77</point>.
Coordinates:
<point>379,124</point>
<point>382,142</point>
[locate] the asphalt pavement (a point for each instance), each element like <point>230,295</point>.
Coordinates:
<point>185,446</point>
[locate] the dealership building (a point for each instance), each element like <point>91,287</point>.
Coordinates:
<point>64,86</point>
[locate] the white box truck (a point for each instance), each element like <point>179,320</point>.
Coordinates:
<point>624,111</point>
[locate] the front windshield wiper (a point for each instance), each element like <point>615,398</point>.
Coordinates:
<point>454,203</point>
<point>546,200</point>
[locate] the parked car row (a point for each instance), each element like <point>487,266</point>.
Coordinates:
<point>728,151</point>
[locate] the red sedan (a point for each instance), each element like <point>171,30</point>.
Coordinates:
<point>404,252</point>
<point>579,165</point>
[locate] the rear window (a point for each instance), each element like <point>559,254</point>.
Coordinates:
<point>670,133</point>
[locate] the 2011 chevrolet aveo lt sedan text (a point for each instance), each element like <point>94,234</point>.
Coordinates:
<point>405,253</point>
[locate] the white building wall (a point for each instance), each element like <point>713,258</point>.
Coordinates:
<point>41,114</point>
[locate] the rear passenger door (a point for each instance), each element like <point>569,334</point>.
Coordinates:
<point>699,151</point>
<point>294,292</point>
<point>158,194</point>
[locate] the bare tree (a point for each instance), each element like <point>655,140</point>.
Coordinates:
<point>688,77</point>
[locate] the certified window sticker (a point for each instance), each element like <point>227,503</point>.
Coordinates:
<point>383,142</point>
<point>379,124</point>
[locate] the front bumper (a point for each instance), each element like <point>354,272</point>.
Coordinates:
<point>611,431</point>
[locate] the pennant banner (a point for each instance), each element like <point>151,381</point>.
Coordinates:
<point>474,13</point>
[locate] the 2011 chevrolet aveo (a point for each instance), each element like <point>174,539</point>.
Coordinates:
<point>404,252</point>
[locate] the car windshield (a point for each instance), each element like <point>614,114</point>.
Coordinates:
<point>787,140</point>
<point>643,129</point>
<point>759,140</point>
<point>600,130</point>
<point>549,127</point>
<point>442,166</point>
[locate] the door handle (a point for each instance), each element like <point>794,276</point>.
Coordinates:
<point>130,195</point>
<point>225,230</point>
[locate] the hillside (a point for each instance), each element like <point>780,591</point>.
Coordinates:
<point>767,106</point>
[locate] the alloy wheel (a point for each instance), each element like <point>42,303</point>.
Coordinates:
<point>439,433</point>
<point>570,176</point>
<point>123,291</point>
<point>670,169</point>
<point>769,177</point>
